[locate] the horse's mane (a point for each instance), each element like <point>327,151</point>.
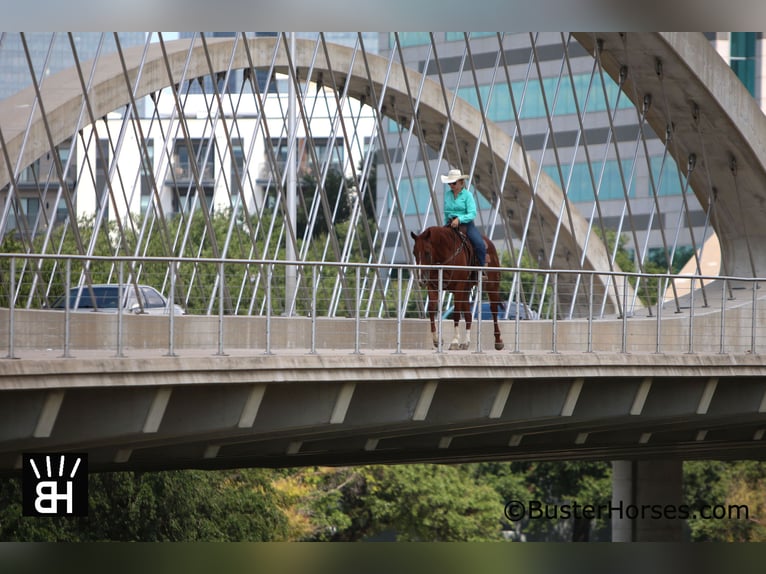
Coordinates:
<point>440,232</point>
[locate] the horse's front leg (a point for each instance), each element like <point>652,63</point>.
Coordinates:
<point>462,308</point>
<point>466,344</point>
<point>495,308</point>
<point>432,319</point>
<point>499,345</point>
<point>455,344</point>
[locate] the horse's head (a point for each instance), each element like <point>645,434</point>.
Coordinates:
<point>423,252</point>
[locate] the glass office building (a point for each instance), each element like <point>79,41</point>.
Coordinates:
<point>545,91</point>
<point>50,53</point>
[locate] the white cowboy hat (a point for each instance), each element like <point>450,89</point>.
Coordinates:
<point>453,176</point>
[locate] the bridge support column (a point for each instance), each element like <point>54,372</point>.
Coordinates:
<point>645,496</point>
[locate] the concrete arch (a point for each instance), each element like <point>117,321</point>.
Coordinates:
<point>726,113</point>
<point>695,96</point>
<point>62,99</point>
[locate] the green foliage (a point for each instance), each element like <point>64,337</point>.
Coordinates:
<point>565,482</point>
<point>197,283</point>
<point>532,284</point>
<point>410,502</point>
<point>734,493</point>
<point>49,272</point>
<point>680,257</point>
<point>157,506</point>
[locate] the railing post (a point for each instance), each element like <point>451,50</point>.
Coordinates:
<point>479,285</point>
<point>357,309</point>
<point>624,314</point>
<point>660,291</point>
<point>554,323</point>
<point>120,312</point>
<point>313,350</point>
<point>439,311</point>
<point>67,313</point>
<point>399,312</point>
<point>171,305</point>
<point>221,290</point>
<point>723,317</point>
<point>590,315</point>
<point>11,306</point>
<point>691,316</point>
<point>753,322</point>
<point>516,320</point>
<point>269,273</point>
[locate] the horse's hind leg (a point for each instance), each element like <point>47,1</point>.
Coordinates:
<point>499,344</point>
<point>493,284</point>
<point>466,312</point>
<point>466,344</point>
<point>432,318</point>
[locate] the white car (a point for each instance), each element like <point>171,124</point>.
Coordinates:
<point>136,299</point>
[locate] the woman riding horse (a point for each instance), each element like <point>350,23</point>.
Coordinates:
<point>460,209</point>
<point>445,246</point>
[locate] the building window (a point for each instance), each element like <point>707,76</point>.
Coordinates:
<point>411,39</point>
<point>44,168</point>
<point>102,174</point>
<point>326,150</point>
<point>743,58</point>
<point>186,198</point>
<point>460,36</point>
<point>147,176</point>
<point>184,159</point>
<point>237,175</point>
<point>528,96</point>
<point>29,212</point>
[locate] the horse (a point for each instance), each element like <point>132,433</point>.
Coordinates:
<point>446,246</point>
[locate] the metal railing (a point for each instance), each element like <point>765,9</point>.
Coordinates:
<point>381,308</point>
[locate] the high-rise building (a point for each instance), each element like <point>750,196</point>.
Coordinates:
<point>744,51</point>
<point>235,81</point>
<point>545,92</point>
<point>52,52</point>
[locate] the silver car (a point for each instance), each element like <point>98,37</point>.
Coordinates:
<point>138,299</point>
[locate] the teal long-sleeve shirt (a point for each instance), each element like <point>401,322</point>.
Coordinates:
<point>463,206</point>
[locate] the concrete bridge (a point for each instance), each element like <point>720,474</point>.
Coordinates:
<point>635,384</point>
<point>153,392</point>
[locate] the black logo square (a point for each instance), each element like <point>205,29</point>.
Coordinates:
<point>54,484</point>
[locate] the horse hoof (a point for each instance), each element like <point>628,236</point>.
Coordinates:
<point>499,346</point>
<point>463,346</point>
<point>454,347</point>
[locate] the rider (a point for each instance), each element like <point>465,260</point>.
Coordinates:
<point>460,208</point>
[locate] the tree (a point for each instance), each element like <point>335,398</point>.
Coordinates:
<point>409,502</point>
<point>566,482</point>
<point>733,494</point>
<point>157,506</point>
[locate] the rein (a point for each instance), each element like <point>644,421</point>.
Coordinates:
<point>460,248</point>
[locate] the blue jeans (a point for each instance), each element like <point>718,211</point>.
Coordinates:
<point>478,242</point>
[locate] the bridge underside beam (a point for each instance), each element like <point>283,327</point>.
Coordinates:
<point>282,411</point>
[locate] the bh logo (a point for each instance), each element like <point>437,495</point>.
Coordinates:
<point>55,484</point>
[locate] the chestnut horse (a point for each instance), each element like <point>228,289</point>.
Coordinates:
<point>445,246</point>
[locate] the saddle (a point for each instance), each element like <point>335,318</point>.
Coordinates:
<point>467,245</point>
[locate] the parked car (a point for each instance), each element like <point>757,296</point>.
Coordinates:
<point>525,312</point>
<point>140,299</point>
